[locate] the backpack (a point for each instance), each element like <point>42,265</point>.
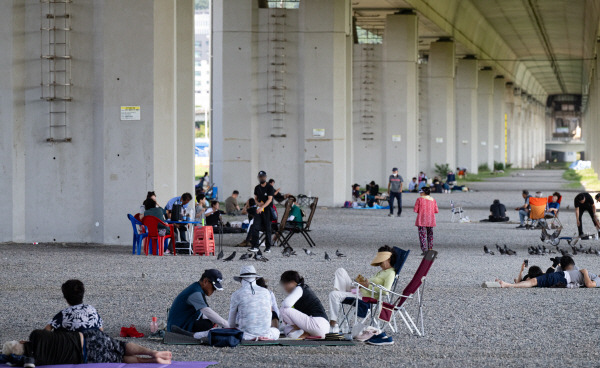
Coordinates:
<point>225,337</point>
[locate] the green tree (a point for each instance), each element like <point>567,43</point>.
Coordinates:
<point>201,4</point>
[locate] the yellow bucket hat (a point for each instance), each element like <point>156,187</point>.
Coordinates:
<point>381,257</point>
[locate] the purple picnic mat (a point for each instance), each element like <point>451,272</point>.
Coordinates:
<point>123,365</point>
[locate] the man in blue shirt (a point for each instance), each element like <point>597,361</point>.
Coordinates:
<point>184,200</point>
<point>190,311</point>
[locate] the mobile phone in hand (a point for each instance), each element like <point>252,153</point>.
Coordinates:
<point>526,263</point>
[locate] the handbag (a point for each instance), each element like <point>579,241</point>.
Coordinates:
<point>225,337</point>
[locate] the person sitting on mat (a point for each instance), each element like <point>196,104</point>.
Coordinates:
<point>274,308</point>
<point>498,212</point>
<point>190,311</point>
<point>251,308</point>
<point>78,316</point>
<point>301,310</point>
<point>81,347</point>
<point>342,283</point>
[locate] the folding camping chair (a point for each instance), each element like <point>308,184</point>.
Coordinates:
<point>537,212</point>
<point>365,304</point>
<point>553,217</point>
<point>304,227</point>
<point>456,212</point>
<point>281,225</point>
<point>387,312</point>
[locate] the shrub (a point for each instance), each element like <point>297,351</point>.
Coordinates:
<point>483,167</point>
<point>498,166</point>
<point>442,169</point>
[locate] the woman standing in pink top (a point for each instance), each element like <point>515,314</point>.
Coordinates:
<point>426,208</point>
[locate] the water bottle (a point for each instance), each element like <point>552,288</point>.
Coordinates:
<point>154,325</point>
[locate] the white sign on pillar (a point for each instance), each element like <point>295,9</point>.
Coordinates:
<point>130,113</point>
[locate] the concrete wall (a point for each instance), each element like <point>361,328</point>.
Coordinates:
<point>80,191</point>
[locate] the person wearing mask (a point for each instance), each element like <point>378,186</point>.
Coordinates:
<point>395,191</point>
<point>263,194</point>
<point>585,203</point>
<point>190,310</point>
<point>250,309</point>
<point>301,310</point>
<point>232,208</point>
<point>524,209</point>
<point>425,208</point>
<point>184,200</point>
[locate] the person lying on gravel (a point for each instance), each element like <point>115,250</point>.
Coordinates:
<point>251,308</point>
<point>563,279</point>
<point>78,316</point>
<point>190,311</point>
<point>301,310</point>
<point>88,346</point>
<point>342,283</point>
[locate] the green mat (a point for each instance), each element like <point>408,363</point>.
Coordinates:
<point>179,339</point>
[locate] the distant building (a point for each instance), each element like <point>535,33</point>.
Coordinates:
<point>202,58</point>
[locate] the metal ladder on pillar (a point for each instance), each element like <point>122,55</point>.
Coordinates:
<point>276,71</point>
<point>367,85</point>
<point>55,46</point>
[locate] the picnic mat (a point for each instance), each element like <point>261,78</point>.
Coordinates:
<point>375,207</point>
<point>293,342</point>
<point>172,338</point>
<point>134,365</point>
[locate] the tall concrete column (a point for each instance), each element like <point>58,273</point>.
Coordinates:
<point>485,117</point>
<point>440,137</point>
<point>518,128</point>
<point>466,114</point>
<point>498,129</point>
<point>323,56</point>
<point>400,93</point>
<point>234,128</point>
<point>186,114</point>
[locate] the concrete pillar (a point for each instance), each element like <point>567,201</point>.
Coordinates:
<point>440,138</point>
<point>498,129</point>
<point>400,93</point>
<point>323,57</point>
<point>485,117</point>
<point>234,128</point>
<point>466,114</point>
<point>423,120</point>
<point>518,129</point>
<point>186,115</point>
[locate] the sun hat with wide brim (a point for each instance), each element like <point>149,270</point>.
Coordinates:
<point>381,257</point>
<point>247,272</point>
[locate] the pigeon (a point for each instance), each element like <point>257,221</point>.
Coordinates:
<point>339,254</point>
<point>246,256</point>
<point>220,255</point>
<point>327,258</point>
<point>230,258</point>
<point>486,250</point>
<point>530,251</point>
<point>574,250</point>
<point>286,252</point>
<point>492,253</point>
<point>259,257</point>
<point>502,252</point>
<point>308,252</point>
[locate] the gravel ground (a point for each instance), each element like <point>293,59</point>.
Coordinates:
<point>466,324</point>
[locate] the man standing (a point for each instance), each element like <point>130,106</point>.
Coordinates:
<point>190,311</point>
<point>585,203</point>
<point>395,191</point>
<point>263,194</point>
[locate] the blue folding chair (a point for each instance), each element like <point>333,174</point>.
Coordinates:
<point>365,304</point>
<point>138,236</point>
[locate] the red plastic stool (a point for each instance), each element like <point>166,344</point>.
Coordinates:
<point>204,241</point>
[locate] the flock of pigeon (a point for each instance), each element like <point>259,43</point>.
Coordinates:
<point>541,250</point>
<point>287,252</point>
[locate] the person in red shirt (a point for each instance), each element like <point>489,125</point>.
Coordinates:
<point>426,208</point>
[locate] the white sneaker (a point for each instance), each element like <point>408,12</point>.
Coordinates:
<point>295,334</point>
<point>334,329</point>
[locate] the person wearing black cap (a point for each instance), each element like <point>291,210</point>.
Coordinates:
<point>395,191</point>
<point>190,311</point>
<point>263,194</point>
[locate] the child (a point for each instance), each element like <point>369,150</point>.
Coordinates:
<point>426,208</point>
